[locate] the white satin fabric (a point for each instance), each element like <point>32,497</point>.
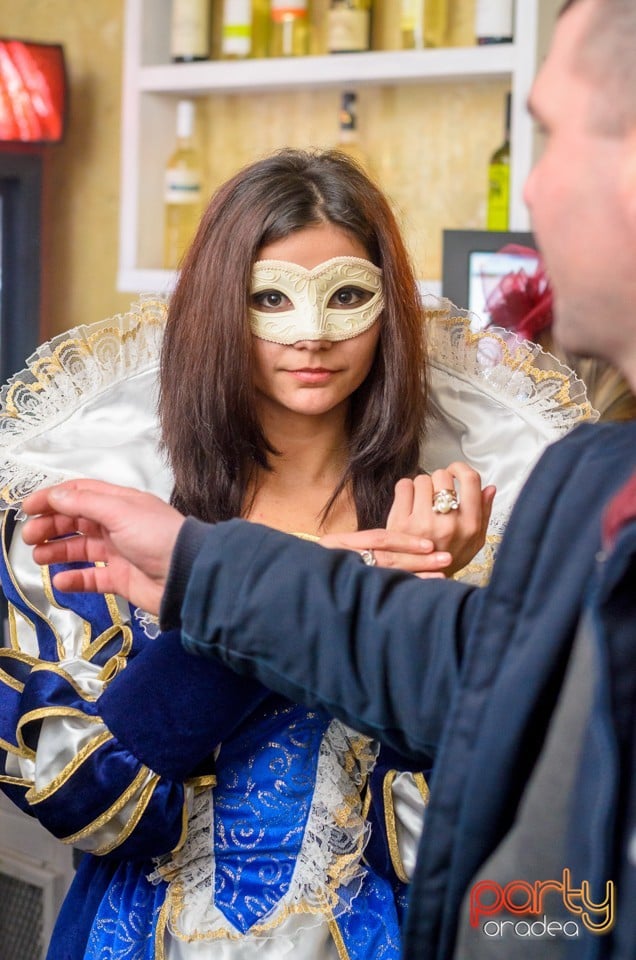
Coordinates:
<point>409,807</point>
<point>113,437</point>
<point>85,406</point>
<point>496,402</point>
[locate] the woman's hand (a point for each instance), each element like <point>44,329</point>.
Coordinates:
<point>460,532</point>
<point>417,539</point>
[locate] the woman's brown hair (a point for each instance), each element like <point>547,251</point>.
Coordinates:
<point>208,410</point>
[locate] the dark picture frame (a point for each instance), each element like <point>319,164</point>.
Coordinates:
<point>20,258</point>
<point>461,249</point>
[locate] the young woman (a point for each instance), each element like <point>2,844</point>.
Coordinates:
<point>222,820</point>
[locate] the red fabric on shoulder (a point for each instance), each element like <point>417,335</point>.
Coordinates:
<point>621,509</point>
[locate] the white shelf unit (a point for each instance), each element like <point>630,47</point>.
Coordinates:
<point>151,86</point>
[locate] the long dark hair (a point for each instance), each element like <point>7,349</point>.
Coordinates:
<point>207,406</point>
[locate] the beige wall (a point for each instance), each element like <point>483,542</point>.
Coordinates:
<point>82,174</point>
<point>432,186</point>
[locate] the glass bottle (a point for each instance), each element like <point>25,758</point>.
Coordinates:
<point>494,21</point>
<point>183,189</point>
<point>423,23</point>
<point>260,28</point>
<point>499,180</point>
<point>412,24</point>
<point>348,26</point>
<point>348,136</point>
<point>236,29</point>
<point>245,28</point>
<point>289,28</point>
<point>190,30</point>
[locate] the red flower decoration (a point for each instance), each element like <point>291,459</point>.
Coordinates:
<point>521,301</point>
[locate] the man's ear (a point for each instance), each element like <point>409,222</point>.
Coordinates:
<point>627,178</point>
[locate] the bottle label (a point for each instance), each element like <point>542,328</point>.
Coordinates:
<point>182,187</point>
<point>284,10</point>
<point>348,31</point>
<point>493,20</point>
<point>236,12</point>
<point>498,196</point>
<point>237,41</point>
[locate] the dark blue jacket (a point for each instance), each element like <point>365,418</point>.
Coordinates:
<point>435,669</point>
<point>602,839</point>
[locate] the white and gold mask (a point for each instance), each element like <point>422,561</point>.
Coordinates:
<point>309,309</point>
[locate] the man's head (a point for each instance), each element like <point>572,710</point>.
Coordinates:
<point>582,191</point>
<point>607,55</point>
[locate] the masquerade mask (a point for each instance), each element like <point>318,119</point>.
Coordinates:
<point>337,300</point>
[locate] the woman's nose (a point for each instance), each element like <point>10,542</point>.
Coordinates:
<point>313,345</point>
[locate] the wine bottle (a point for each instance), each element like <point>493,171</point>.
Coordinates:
<point>190,30</point>
<point>260,28</point>
<point>435,23</point>
<point>348,136</point>
<point>183,191</point>
<point>244,31</point>
<point>423,23</point>
<point>499,180</point>
<point>348,26</point>
<point>236,31</point>
<point>289,28</point>
<point>493,21</point>
<point>411,24</point>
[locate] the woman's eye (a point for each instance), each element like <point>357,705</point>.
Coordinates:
<point>270,300</point>
<point>350,297</point>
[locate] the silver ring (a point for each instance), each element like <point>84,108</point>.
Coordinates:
<point>368,557</point>
<point>444,501</point>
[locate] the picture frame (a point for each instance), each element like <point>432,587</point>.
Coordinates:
<point>472,262</point>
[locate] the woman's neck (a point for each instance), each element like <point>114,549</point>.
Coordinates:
<point>304,474</point>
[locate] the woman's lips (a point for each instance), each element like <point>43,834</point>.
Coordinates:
<point>312,374</point>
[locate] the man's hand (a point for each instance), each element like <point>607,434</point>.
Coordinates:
<point>129,534</point>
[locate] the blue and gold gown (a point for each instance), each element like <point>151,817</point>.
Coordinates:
<point>217,819</point>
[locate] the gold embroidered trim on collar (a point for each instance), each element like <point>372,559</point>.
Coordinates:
<point>391,826</point>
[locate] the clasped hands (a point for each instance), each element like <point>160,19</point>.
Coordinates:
<point>130,535</point>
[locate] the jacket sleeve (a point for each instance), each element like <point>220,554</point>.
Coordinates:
<point>321,628</point>
<point>105,731</point>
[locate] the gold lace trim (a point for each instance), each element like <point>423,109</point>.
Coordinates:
<point>391,826</point>
<point>58,379</point>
